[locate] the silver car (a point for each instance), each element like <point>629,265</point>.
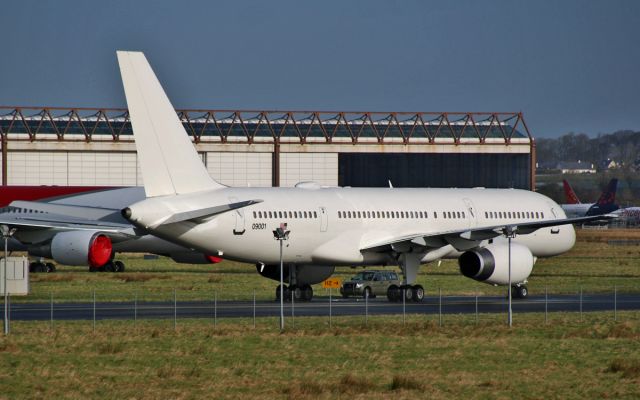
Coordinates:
<point>369,282</point>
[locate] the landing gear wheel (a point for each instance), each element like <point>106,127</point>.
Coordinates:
<point>37,267</point>
<point>418,293</point>
<point>407,292</point>
<point>109,267</point>
<point>94,269</point>
<point>51,267</point>
<point>393,293</point>
<point>366,294</point>
<point>118,266</point>
<point>307,292</point>
<point>519,292</point>
<point>295,293</point>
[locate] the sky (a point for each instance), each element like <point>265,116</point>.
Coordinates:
<point>569,66</point>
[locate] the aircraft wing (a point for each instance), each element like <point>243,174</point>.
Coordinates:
<point>466,239</point>
<point>64,209</point>
<point>36,221</point>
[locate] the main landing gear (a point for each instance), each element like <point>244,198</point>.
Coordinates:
<point>519,291</point>
<point>409,263</point>
<point>298,293</point>
<point>41,266</point>
<point>111,266</point>
<point>414,293</point>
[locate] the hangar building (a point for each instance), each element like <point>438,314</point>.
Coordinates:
<point>94,147</point>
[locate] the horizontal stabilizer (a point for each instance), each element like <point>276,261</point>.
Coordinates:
<point>197,215</point>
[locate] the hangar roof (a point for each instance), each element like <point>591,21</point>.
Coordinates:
<point>42,123</point>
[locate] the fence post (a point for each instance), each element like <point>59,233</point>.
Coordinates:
<point>580,303</point>
<point>94,310</point>
<point>440,306</point>
<point>476,307</point>
<point>615,303</point>
<point>404,296</point>
<point>135,308</point>
<point>330,292</point>
<point>215,309</point>
<point>254,309</point>
<point>293,306</point>
<point>546,304</point>
<point>366,308</point>
<point>175,310</point>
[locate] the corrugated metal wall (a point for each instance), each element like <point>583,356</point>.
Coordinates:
<point>434,170</point>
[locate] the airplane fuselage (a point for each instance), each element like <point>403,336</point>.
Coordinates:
<point>330,226</point>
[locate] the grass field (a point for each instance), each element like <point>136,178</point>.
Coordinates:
<point>566,359</point>
<point>597,264</point>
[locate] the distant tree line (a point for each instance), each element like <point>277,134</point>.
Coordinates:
<point>621,146</point>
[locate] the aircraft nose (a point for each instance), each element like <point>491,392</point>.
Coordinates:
<point>568,236</point>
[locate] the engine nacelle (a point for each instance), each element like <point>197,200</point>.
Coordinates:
<point>305,274</point>
<point>81,248</point>
<point>490,264</point>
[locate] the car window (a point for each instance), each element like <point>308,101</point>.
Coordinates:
<point>363,276</point>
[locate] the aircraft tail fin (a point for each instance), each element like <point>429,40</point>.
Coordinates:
<point>169,162</point>
<point>608,196</point>
<point>569,194</point>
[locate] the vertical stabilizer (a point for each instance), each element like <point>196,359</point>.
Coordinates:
<point>169,162</point>
<point>608,196</point>
<point>569,194</point>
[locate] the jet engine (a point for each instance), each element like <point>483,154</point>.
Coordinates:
<point>305,274</point>
<point>490,264</point>
<point>81,248</point>
<point>192,257</point>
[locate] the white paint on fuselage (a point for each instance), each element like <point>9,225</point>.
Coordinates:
<point>576,210</point>
<point>340,244</point>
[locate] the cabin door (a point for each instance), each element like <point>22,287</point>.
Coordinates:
<point>472,213</point>
<point>324,220</point>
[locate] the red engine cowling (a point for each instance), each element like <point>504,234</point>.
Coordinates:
<point>192,257</point>
<point>81,248</point>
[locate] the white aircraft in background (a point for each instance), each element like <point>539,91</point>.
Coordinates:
<point>85,229</point>
<point>329,226</point>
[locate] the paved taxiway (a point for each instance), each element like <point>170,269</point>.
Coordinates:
<point>320,307</point>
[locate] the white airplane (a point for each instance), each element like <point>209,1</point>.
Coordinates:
<point>85,229</point>
<point>329,227</point>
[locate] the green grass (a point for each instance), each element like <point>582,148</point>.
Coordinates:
<point>564,358</point>
<point>593,265</point>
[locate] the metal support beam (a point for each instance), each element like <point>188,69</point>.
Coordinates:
<point>4,159</point>
<point>275,165</point>
<point>532,167</point>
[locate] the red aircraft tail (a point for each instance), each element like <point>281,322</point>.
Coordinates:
<point>569,194</point>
